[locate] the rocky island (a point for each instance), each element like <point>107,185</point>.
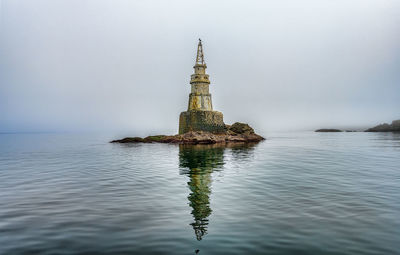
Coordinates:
<point>200,124</point>
<point>394,127</point>
<point>328,130</point>
<point>237,133</point>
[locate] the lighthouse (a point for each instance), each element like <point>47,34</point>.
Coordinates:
<point>200,115</point>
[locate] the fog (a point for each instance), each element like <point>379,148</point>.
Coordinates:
<point>125,66</point>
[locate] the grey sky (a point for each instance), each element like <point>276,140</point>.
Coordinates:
<point>125,65</point>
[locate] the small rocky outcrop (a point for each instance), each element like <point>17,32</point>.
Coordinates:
<point>148,139</point>
<point>394,127</point>
<point>240,128</point>
<point>236,133</point>
<point>328,130</point>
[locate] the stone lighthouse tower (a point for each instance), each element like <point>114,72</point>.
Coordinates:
<point>200,115</point>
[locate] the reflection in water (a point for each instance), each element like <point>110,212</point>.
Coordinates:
<point>387,139</point>
<point>198,162</point>
<point>243,151</point>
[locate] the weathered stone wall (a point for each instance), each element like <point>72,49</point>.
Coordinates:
<point>200,88</point>
<point>210,121</point>
<point>200,102</point>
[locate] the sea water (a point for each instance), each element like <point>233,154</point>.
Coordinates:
<point>295,193</point>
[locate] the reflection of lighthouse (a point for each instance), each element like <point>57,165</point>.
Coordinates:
<point>198,162</point>
<point>200,185</point>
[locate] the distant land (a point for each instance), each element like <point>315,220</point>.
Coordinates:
<point>394,127</point>
<point>385,127</point>
<point>328,130</point>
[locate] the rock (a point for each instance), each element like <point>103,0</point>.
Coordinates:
<point>394,127</point>
<point>237,133</point>
<point>240,128</point>
<point>328,130</point>
<point>202,137</point>
<point>129,140</point>
<point>154,138</point>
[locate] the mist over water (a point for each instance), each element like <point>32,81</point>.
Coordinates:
<point>303,193</point>
<point>125,65</point>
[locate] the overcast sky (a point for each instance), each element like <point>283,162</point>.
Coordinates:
<point>125,66</point>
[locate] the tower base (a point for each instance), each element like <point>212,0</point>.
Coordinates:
<point>210,121</point>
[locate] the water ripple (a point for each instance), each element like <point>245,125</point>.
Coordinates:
<point>296,193</point>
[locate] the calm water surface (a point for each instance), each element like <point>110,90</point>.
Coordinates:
<point>295,193</point>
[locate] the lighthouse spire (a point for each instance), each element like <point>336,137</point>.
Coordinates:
<point>200,55</point>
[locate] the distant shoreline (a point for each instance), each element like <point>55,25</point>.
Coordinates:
<point>385,127</point>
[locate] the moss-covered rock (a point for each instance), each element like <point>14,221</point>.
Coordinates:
<point>241,128</point>
<point>154,138</point>
<point>197,137</point>
<point>129,140</point>
<point>236,133</point>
